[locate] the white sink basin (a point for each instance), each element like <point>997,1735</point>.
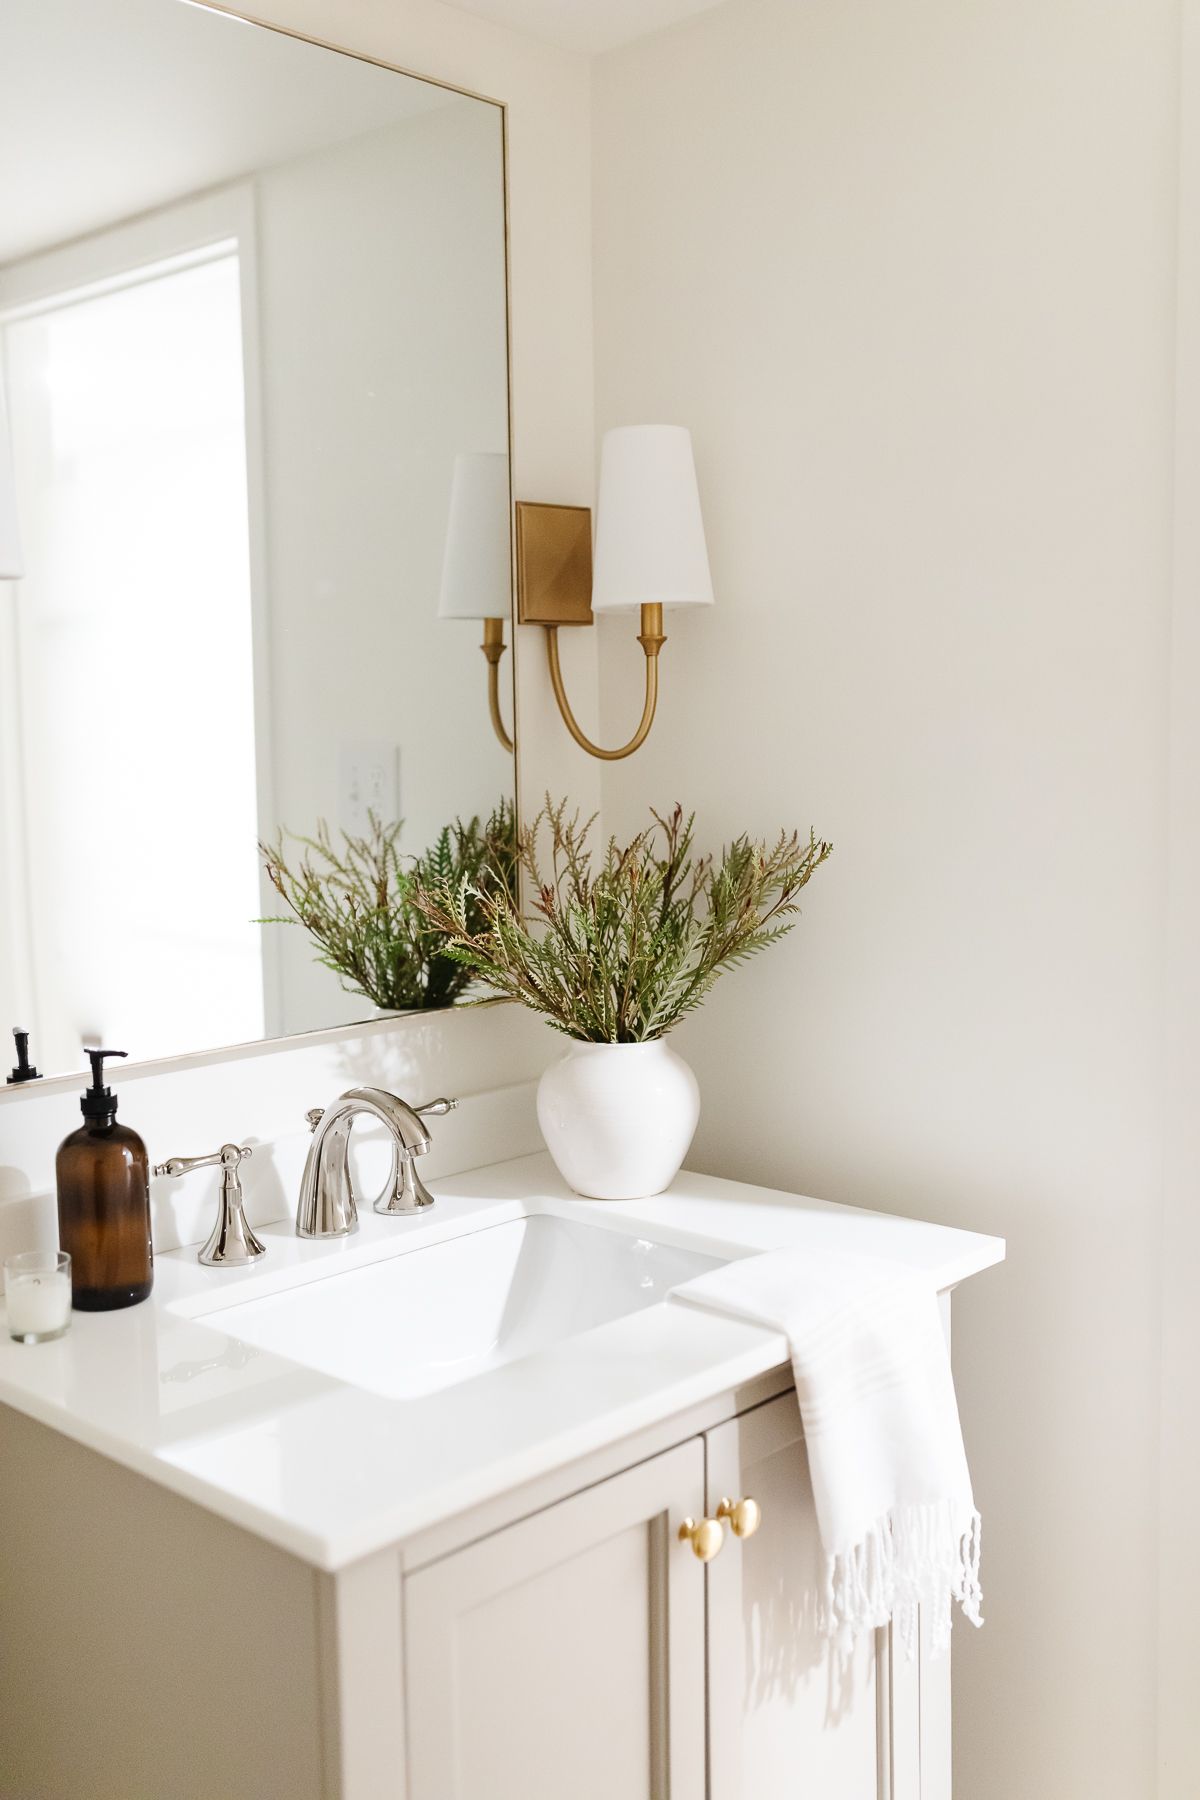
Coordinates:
<point>432,1317</point>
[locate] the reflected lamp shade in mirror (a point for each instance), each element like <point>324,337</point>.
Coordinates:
<point>650,548</point>
<point>11,566</point>
<point>477,564</point>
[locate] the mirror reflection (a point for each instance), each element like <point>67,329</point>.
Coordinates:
<point>253,361</point>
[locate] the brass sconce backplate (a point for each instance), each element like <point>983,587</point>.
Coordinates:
<point>554,564</point>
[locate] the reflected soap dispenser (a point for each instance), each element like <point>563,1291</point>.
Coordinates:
<point>104,1203</point>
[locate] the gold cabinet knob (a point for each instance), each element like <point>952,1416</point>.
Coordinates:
<point>744,1516</point>
<point>705,1538</point>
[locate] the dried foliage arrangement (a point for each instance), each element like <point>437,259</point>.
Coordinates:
<point>357,903</point>
<point>618,948</point>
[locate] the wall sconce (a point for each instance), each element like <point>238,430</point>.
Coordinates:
<point>650,553</point>
<point>11,566</point>
<point>476,567</point>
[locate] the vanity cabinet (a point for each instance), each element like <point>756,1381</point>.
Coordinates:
<point>783,1717</point>
<point>561,1643</point>
<point>231,1571</point>
<point>565,1655</point>
<point>585,1652</point>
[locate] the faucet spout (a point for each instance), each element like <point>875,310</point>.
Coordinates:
<point>327,1205</point>
<point>401,1119</point>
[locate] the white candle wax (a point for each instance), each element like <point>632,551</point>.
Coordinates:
<point>38,1303</point>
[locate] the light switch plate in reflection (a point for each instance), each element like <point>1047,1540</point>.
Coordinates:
<point>368,782</point>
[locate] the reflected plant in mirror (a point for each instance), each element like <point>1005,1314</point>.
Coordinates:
<point>253,319</point>
<point>357,903</point>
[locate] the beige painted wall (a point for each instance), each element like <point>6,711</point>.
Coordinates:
<point>909,275</point>
<point>1179,1545</point>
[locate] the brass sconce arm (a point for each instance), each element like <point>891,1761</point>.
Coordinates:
<point>652,640</point>
<point>493,648</point>
<point>651,542</point>
<point>554,585</point>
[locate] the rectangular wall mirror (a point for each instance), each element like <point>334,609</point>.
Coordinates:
<point>253,360</point>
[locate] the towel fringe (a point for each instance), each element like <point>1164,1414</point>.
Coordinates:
<point>909,1568</point>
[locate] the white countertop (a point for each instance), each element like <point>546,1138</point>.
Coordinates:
<point>331,1472</point>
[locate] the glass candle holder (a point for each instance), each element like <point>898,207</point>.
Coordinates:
<point>37,1294</point>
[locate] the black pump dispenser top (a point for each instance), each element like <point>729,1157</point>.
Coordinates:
<point>24,1070</point>
<point>99,1102</point>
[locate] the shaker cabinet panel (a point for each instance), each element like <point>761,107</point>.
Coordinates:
<point>785,1722</point>
<point>564,1656</point>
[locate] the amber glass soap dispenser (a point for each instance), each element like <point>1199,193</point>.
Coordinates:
<point>104,1203</point>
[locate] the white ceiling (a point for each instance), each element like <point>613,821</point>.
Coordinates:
<point>113,107</point>
<point>588,25</point>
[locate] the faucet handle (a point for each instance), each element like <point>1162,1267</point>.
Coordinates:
<point>232,1242</point>
<point>431,1108</point>
<point>229,1156</point>
<point>405,1191</point>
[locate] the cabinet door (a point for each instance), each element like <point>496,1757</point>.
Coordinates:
<point>563,1658</point>
<point>784,1723</point>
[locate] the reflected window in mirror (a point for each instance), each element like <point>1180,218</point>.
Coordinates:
<point>242,360</point>
<point>134,661</point>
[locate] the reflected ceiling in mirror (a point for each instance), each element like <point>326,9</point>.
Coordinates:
<point>253,358</point>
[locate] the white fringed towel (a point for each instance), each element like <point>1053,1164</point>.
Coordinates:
<point>897,1519</point>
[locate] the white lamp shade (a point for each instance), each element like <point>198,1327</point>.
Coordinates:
<point>477,566</point>
<point>650,545</point>
<point>11,567</point>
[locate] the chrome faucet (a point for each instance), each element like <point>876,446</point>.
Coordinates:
<point>328,1207</point>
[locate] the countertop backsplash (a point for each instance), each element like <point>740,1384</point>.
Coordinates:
<point>487,1058</point>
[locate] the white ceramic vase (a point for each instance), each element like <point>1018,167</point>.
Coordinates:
<point>618,1118</point>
